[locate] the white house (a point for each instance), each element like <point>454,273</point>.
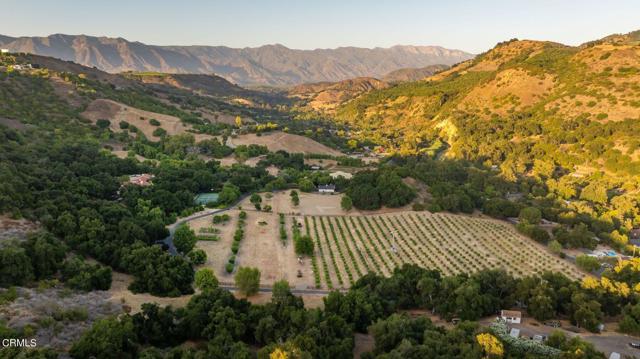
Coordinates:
<point>511,316</point>
<point>4,51</point>
<point>329,188</point>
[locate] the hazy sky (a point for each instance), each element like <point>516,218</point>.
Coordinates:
<point>472,26</point>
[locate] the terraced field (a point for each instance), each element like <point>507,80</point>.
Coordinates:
<point>347,247</point>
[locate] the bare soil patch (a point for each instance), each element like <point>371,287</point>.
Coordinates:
<point>276,141</point>
<point>17,229</point>
<point>261,248</point>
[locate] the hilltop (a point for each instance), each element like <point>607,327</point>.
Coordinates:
<point>412,74</point>
<point>576,107</point>
<point>325,96</point>
<point>265,65</point>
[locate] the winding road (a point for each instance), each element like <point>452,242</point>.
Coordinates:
<point>168,241</point>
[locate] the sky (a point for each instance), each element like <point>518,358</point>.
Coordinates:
<point>472,26</point>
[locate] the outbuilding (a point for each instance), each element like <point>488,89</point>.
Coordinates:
<point>511,316</point>
<point>327,188</point>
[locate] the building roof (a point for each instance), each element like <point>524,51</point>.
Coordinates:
<point>143,179</point>
<point>511,313</point>
<point>515,332</point>
<point>327,186</point>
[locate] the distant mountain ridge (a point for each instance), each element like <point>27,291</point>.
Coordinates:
<point>412,74</point>
<point>274,65</point>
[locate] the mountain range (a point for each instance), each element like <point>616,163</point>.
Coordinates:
<point>274,65</point>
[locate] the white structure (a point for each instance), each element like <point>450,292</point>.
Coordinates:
<point>614,355</point>
<point>4,51</point>
<point>539,338</point>
<point>511,316</point>
<point>337,174</point>
<point>514,333</point>
<point>329,188</point>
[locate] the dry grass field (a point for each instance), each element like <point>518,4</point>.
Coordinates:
<point>276,141</point>
<point>116,112</point>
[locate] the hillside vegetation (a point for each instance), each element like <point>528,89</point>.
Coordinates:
<point>574,106</point>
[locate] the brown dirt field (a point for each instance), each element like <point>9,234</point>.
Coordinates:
<point>276,141</point>
<point>218,252</point>
<point>314,204</point>
<point>261,248</point>
<point>121,295</point>
<point>116,112</point>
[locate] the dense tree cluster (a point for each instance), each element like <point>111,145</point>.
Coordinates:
<point>374,189</point>
<point>224,326</point>
<point>43,256</point>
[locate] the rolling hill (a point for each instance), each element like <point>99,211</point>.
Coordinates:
<point>325,96</point>
<point>577,108</point>
<point>266,65</point>
<point>412,74</point>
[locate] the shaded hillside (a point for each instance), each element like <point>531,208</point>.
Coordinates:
<point>412,74</point>
<point>576,107</point>
<point>271,64</point>
<point>206,85</point>
<point>325,96</point>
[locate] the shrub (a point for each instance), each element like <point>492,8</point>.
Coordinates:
<point>197,256</point>
<point>346,203</point>
<point>229,267</point>
<point>154,122</point>
<point>587,263</point>
<point>205,279</point>
<point>159,132</point>
<point>101,123</point>
<point>248,280</point>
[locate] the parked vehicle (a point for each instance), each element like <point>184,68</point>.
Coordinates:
<point>552,323</point>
